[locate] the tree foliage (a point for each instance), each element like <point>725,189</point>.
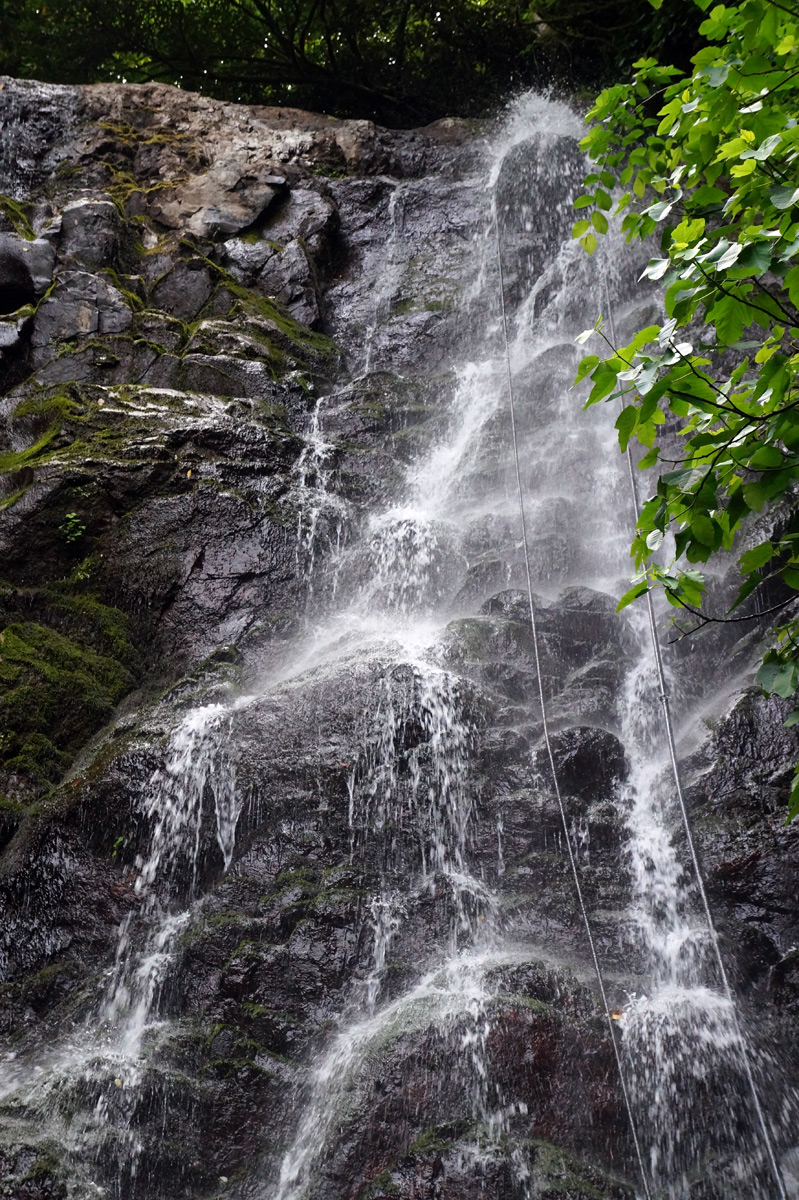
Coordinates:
<point>397,61</point>
<point>707,159</point>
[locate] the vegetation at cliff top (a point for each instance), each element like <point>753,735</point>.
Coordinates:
<point>707,159</point>
<point>401,62</point>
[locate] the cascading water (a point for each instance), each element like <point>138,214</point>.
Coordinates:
<point>406,570</point>
<point>685,1050</point>
<point>196,764</point>
<point>401,601</point>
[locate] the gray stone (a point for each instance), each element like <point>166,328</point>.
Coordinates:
<point>184,291</point>
<point>229,197</point>
<point>80,304</point>
<point>90,233</point>
<point>16,279</point>
<point>288,278</point>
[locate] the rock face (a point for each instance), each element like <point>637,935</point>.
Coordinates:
<point>227,335</point>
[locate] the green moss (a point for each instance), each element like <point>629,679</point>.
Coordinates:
<point>516,1000</point>
<point>213,924</point>
<point>559,1174</point>
<point>14,460</point>
<point>108,626</point>
<point>123,184</point>
<point>34,984</point>
<point>438,1138</point>
<point>269,310</point>
<point>162,246</point>
<point>46,1167</point>
<point>371,410</point>
<point>256,1010</point>
<point>329,172</point>
<point>133,301</point>
<point>54,692</point>
<point>382,1185</point>
<point>10,501</point>
<point>129,135</point>
<point>474,636</point>
<point>252,237</point>
<point>18,216</point>
<point>51,404</point>
<point>14,807</point>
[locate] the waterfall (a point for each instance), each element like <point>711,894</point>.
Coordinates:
<point>682,1052</point>
<point>401,597</point>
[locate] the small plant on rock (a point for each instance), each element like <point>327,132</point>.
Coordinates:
<point>71,528</point>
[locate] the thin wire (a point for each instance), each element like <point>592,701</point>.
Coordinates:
<point>689,837</point>
<point>545,723</point>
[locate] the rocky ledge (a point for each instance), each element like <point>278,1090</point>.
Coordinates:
<point>164,261</point>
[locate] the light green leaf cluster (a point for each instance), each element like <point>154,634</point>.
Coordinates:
<point>710,162</point>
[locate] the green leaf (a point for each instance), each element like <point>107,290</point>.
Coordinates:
<point>659,211</point>
<point>766,458</point>
<point>757,557</point>
<point>586,366</point>
<point>604,378</point>
<point>656,268</point>
<point>755,496</point>
<point>625,424</point>
<point>792,719</point>
<point>768,670</point>
<point>705,197</point>
<point>704,529</point>
<point>792,283</point>
<point>784,197</point>
<point>778,678</point>
<point>638,589</point>
<point>729,316</point>
<point>745,590</point>
<point>754,258</point>
<point>649,459</point>
<point>793,800</point>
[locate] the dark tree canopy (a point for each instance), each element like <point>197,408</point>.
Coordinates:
<point>397,61</point>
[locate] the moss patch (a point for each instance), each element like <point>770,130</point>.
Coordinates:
<point>557,1174</point>
<point>54,693</point>
<point>16,213</point>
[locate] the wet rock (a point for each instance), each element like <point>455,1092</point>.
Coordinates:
<point>31,1175</point>
<point>737,789</point>
<point>221,202</point>
<point>80,304</point>
<point>184,290</point>
<point>287,276</point>
<point>16,280</point>
<point>90,233</point>
<point>589,762</point>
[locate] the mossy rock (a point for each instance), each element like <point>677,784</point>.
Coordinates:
<point>17,216</point>
<point>560,1176</point>
<point>54,693</point>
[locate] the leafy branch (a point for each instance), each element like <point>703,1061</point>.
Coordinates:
<point>708,160</point>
